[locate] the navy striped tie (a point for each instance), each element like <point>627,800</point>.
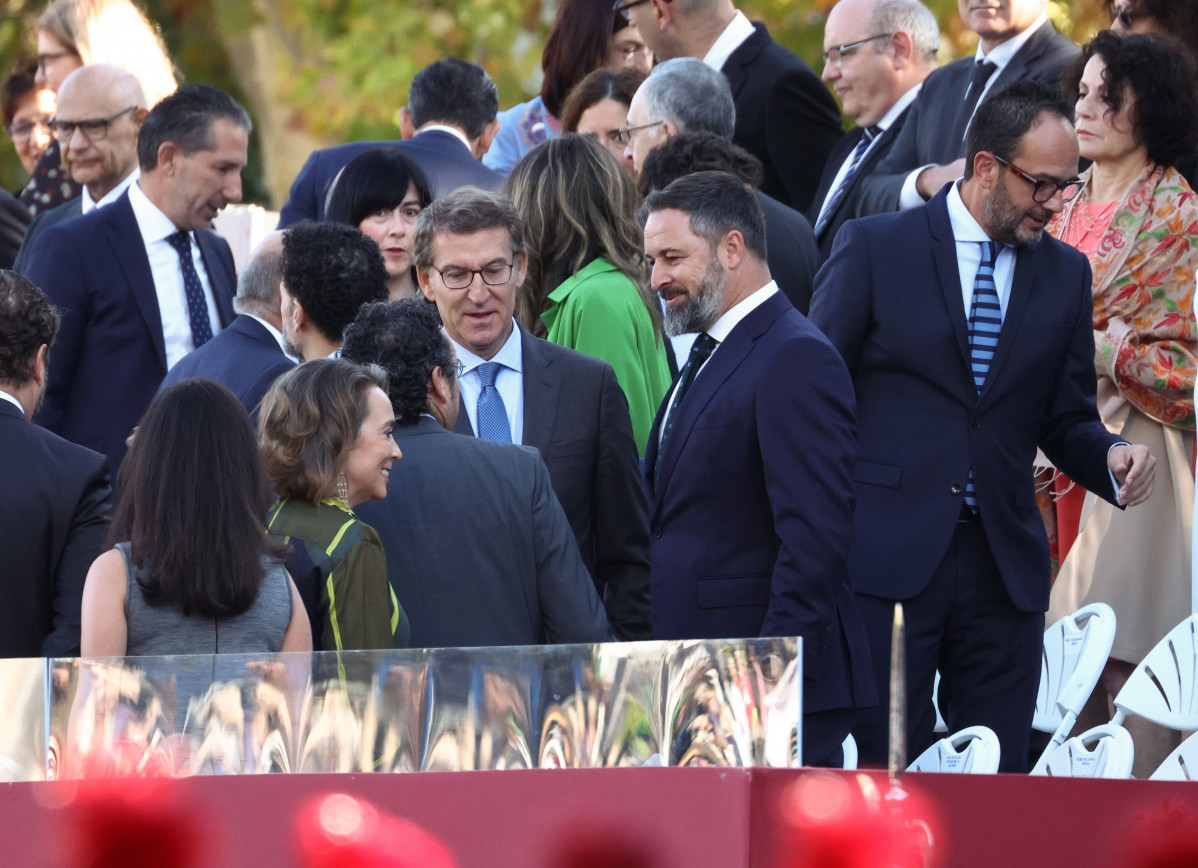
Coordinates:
<point>985,324</point>
<point>825,216</point>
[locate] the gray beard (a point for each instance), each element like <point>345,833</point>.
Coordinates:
<point>701,309</point>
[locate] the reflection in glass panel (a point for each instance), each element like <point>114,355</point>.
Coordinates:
<point>22,720</point>
<point>726,702</point>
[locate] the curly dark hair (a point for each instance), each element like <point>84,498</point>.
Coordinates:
<point>1178,18</point>
<point>691,152</point>
<point>27,320</point>
<point>332,270</point>
<point>405,339</point>
<point>1161,75</point>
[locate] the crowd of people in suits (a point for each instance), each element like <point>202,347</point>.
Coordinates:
<point>661,353</point>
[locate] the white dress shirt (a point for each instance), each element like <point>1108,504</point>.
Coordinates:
<point>509,381</point>
<point>168,276</point>
<point>274,333</point>
<point>453,131</point>
<point>738,30</point>
<point>720,330</point>
<point>884,124</point>
<point>970,235</point>
<point>1000,56</point>
<point>12,399</point>
<point>111,196</point>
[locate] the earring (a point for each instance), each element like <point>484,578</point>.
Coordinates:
<point>343,489</point>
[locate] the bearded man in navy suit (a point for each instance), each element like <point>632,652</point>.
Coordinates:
<point>967,331</point>
<point>143,282</point>
<point>749,462</point>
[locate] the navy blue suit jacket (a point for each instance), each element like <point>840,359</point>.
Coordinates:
<point>110,354</point>
<point>889,298</point>
<point>751,517</point>
<point>447,164</point>
<point>785,116</point>
<point>244,358</point>
<point>43,221</point>
<point>791,251</point>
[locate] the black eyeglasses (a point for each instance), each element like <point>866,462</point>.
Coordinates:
<point>93,129</point>
<point>621,7</point>
<point>624,134</point>
<point>495,274</point>
<point>21,130</point>
<point>1043,189</point>
<point>838,53</point>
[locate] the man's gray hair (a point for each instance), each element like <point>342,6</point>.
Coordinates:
<point>258,283</point>
<point>908,16</point>
<point>691,95</point>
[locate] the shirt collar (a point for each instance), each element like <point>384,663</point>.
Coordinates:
<point>732,317</point>
<point>509,355</point>
<point>900,106</point>
<point>112,195</point>
<point>1001,55</point>
<point>274,332</point>
<point>154,225</point>
<point>12,399</point>
<point>453,131</point>
<point>738,30</point>
<point>965,226</point>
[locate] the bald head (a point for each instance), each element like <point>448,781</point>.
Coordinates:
<point>100,110</point>
<point>259,282</point>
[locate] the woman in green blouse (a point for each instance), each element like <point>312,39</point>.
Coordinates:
<point>587,284</point>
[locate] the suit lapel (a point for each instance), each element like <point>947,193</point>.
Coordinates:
<point>745,53</point>
<point>726,359</point>
<point>835,159</point>
<point>944,249</point>
<point>129,252</point>
<point>542,389</point>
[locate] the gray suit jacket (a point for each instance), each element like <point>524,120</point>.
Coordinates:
<point>576,415</point>
<point>934,132</point>
<point>43,221</point>
<point>478,549</point>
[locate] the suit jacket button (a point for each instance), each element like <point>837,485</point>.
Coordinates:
<point>956,489</point>
<point>657,533</point>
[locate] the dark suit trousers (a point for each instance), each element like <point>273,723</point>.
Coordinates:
<point>988,653</point>
<point>823,737</point>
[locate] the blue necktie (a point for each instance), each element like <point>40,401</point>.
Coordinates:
<point>701,350</point>
<point>491,413</point>
<point>985,324</point>
<point>825,216</point>
<point>197,305</point>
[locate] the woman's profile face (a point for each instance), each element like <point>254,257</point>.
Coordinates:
<point>54,61</point>
<point>392,230</point>
<point>1103,135</point>
<point>369,465</point>
<point>603,120</point>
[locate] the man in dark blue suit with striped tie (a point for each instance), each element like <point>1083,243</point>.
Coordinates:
<point>967,333</point>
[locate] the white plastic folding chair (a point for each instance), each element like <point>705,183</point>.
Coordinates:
<point>1164,687</point>
<point>1105,751</point>
<point>1076,648</point>
<point>1181,765</point>
<point>850,753</point>
<point>973,750</point>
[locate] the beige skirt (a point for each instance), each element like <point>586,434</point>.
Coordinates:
<point>1136,560</point>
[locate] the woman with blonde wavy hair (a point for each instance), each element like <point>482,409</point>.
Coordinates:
<point>587,286</point>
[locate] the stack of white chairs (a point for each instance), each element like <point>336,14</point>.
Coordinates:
<point>1105,751</point>
<point>973,750</point>
<point>1076,648</point>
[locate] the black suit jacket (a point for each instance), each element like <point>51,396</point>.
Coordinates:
<point>43,221</point>
<point>447,165</point>
<point>478,549</point>
<point>244,358</point>
<point>14,220</point>
<point>576,416</point>
<point>848,206</point>
<point>792,255</point>
<point>110,354</point>
<point>935,129</point>
<point>53,524</point>
<point>751,516</point>
<point>785,116</point>
<point>890,300</point>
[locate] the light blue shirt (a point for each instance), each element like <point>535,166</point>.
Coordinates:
<point>509,381</point>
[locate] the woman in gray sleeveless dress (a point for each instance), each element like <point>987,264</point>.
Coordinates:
<point>192,570</point>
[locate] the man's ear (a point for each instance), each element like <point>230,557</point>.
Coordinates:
<point>986,169</point>
<point>426,285</point>
<point>664,13</point>
<point>41,365</point>
<point>169,155</point>
<point>904,49</point>
<point>407,127</point>
<point>484,141</point>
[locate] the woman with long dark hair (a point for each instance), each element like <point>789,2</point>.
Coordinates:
<point>191,570</point>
